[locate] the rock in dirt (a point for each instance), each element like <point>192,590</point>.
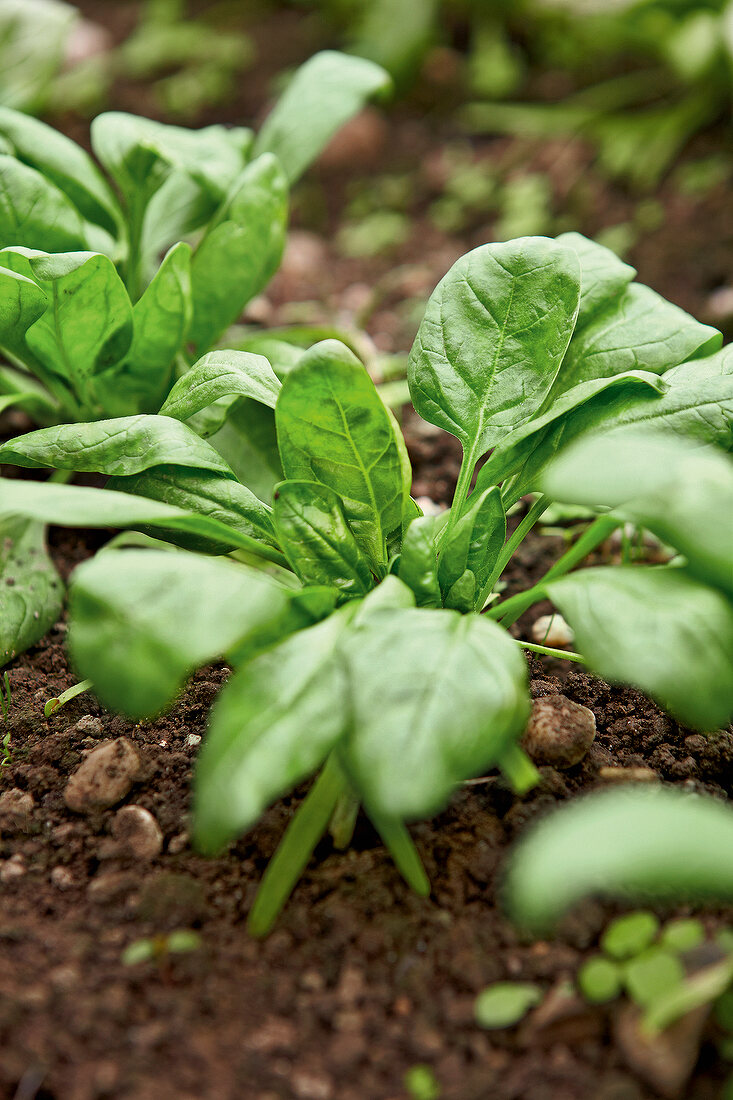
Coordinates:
<point>137,832</point>
<point>664,1061</point>
<point>12,869</point>
<point>559,731</point>
<point>552,630</point>
<point>87,726</point>
<point>16,808</point>
<point>104,778</point>
<point>62,878</point>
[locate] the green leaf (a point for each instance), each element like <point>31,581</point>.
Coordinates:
<point>76,506</point>
<point>517,448</point>
<point>208,494</point>
<point>33,40</point>
<point>418,564</point>
<point>629,935</point>
<point>333,428</point>
<point>248,442</point>
<point>658,629</point>
<point>125,445</point>
<point>324,94</point>
<point>697,402</point>
<point>603,276</point>
<point>636,844</point>
<point>272,725</point>
<point>87,325</point>
<point>639,331</point>
<point>504,1004</point>
<point>31,591</point>
<point>493,337</point>
<point>599,980</point>
<point>316,539</point>
<point>681,493</point>
<point>222,374</point>
<point>143,620</point>
<point>452,696</point>
<point>34,213</point>
<point>65,164</point>
<point>161,320</point>
<point>652,975</point>
<point>475,541</point>
<point>22,302</point>
<point>240,252</point>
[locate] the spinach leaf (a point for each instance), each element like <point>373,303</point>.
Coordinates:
<point>657,629</point>
<point>126,445</point>
<point>241,250</point>
<point>31,592</point>
<point>144,620</point>
<point>248,442</point>
<point>636,844</point>
<point>474,542</point>
<point>418,562</point>
<point>323,95</point>
<point>493,337</point>
<point>222,374</point>
<point>603,276</point>
<point>272,725</point>
<point>316,539</point>
<point>35,213</point>
<point>333,428</point>
<point>452,696</point>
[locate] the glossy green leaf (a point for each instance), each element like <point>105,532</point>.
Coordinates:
<point>125,445</point>
<point>77,506</point>
<point>161,320</point>
<point>240,252</point>
<point>324,94</point>
<point>658,629</point>
<point>208,494</point>
<point>87,325</point>
<point>22,302</point>
<point>64,163</point>
<point>222,374</point>
<point>493,337</point>
<point>248,442</point>
<point>418,564</point>
<point>639,331</point>
<point>34,213</point>
<point>603,276</point>
<point>475,541</point>
<point>31,591</point>
<point>272,725</point>
<point>636,844</point>
<point>316,539</point>
<point>452,696</point>
<point>143,620</point>
<point>333,428</point>
<point>682,493</point>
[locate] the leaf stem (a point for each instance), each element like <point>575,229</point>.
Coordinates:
<point>401,847</point>
<point>508,611</point>
<point>518,535</point>
<point>296,847</point>
<point>562,654</point>
<point>518,769</point>
<point>461,494</point>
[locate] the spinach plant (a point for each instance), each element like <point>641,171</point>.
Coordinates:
<point>91,324</point>
<point>351,621</point>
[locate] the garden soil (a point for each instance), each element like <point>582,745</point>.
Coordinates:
<point>361,980</point>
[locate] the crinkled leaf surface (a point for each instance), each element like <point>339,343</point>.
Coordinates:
<point>332,427</point>
<point>316,539</point>
<point>31,591</point>
<point>144,620</point>
<point>493,337</point>
<point>324,93</point>
<point>124,445</point>
<point>222,374</point>
<point>603,276</point>
<point>452,695</point>
<point>636,844</point>
<point>658,629</point>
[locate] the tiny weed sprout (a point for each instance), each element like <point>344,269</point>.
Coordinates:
<point>52,705</point>
<point>353,623</point>
<point>158,948</point>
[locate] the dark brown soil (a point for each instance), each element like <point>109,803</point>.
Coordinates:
<point>361,980</point>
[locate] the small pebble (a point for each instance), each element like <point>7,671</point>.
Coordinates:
<point>87,726</point>
<point>178,843</point>
<point>62,878</point>
<point>628,775</point>
<point>429,507</point>
<point>137,832</point>
<point>559,731</point>
<point>104,778</point>
<point>16,808</point>
<point>192,741</point>
<point>12,869</point>
<point>553,631</point>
